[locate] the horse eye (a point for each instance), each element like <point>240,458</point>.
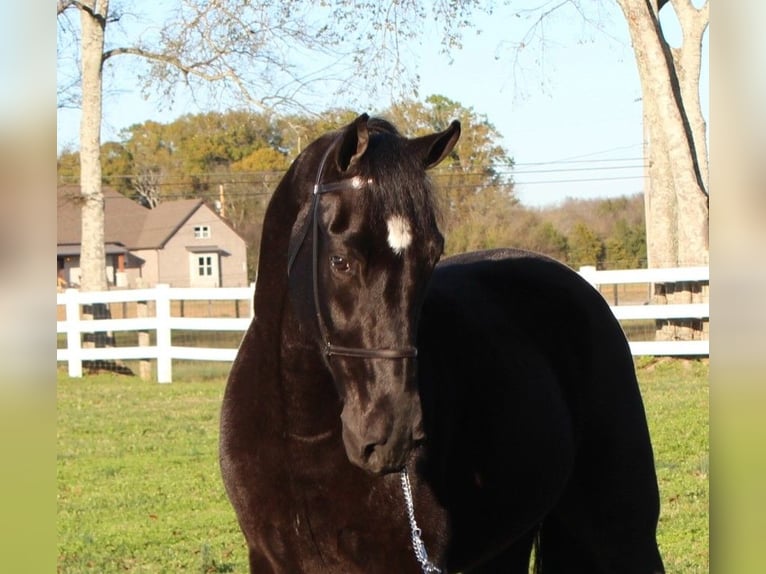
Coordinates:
<point>340,264</point>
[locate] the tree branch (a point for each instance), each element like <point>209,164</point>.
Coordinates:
<point>693,19</point>
<point>193,69</point>
<point>62,5</point>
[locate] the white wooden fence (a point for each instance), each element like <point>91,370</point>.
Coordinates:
<point>162,323</point>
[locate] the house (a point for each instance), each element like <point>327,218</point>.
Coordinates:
<point>182,243</point>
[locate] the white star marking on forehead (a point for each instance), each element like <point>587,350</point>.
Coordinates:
<point>399,234</point>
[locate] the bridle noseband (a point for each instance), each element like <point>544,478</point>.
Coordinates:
<point>351,184</point>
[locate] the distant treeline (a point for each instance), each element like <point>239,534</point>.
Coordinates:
<point>235,159</point>
<point>607,233</point>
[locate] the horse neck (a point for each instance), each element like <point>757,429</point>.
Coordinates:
<point>287,367</point>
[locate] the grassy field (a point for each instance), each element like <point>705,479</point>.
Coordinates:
<point>676,398</point>
<point>139,489</point>
<point>138,482</point>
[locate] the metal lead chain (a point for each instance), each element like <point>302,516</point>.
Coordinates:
<point>417,542</point>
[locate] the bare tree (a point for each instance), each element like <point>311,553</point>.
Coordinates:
<point>146,185</point>
<point>220,48</point>
<point>93,20</point>
<point>676,194</point>
<point>676,189</point>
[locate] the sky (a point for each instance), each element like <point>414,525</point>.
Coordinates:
<point>569,114</point>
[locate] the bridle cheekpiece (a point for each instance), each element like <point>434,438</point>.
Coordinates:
<point>351,184</point>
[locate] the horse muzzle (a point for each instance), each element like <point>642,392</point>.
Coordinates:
<point>380,442</point>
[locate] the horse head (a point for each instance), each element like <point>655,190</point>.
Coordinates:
<point>362,249</point>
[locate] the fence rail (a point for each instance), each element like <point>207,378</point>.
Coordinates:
<point>162,323</point>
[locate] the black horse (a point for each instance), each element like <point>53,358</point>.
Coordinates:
<point>489,402</point>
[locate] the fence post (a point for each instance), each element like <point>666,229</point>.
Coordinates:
<point>144,340</point>
<point>73,341</point>
<point>164,358</point>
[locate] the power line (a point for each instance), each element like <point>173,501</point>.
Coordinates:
<point>610,150</point>
<point>555,162</point>
<point>585,180</point>
<point>477,170</point>
<point>601,168</point>
<point>477,178</point>
<point>255,177</point>
<point>446,187</point>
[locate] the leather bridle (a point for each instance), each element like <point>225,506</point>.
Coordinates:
<point>351,184</point>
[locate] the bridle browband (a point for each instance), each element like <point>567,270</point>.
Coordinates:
<point>351,184</point>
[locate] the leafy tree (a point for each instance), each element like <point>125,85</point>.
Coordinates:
<point>550,241</point>
<point>585,247</point>
<point>481,222</point>
<point>477,196</point>
<point>191,155</point>
<point>116,164</point>
<point>626,248</point>
<point>478,149</point>
<point>116,169</point>
<point>526,229</point>
<point>600,215</point>
<point>298,130</point>
<point>604,232</point>
<point>253,180</point>
<point>151,158</point>
<point>68,167</point>
<point>262,159</point>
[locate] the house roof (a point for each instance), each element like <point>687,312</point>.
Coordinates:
<point>125,221</point>
<point>163,221</point>
<point>63,250</point>
<point>123,217</point>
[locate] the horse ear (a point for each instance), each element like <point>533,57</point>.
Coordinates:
<point>355,139</point>
<point>433,148</point>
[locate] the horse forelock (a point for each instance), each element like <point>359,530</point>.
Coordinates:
<point>398,184</point>
<point>399,187</point>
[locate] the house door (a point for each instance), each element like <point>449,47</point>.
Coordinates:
<point>205,270</point>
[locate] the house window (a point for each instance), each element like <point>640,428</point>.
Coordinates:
<point>204,266</point>
<point>201,231</point>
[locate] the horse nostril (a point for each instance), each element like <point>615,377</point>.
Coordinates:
<point>418,433</point>
<point>368,451</point>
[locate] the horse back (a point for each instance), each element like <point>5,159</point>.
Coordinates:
<point>525,299</point>
<point>524,366</point>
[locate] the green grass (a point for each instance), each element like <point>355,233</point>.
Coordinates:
<point>138,482</point>
<point>676,398</point>
<point>139,488</point>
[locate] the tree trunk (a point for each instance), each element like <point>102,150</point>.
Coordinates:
<point>676,193</point>
<point>677,205</point>
<point>92,258</point>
